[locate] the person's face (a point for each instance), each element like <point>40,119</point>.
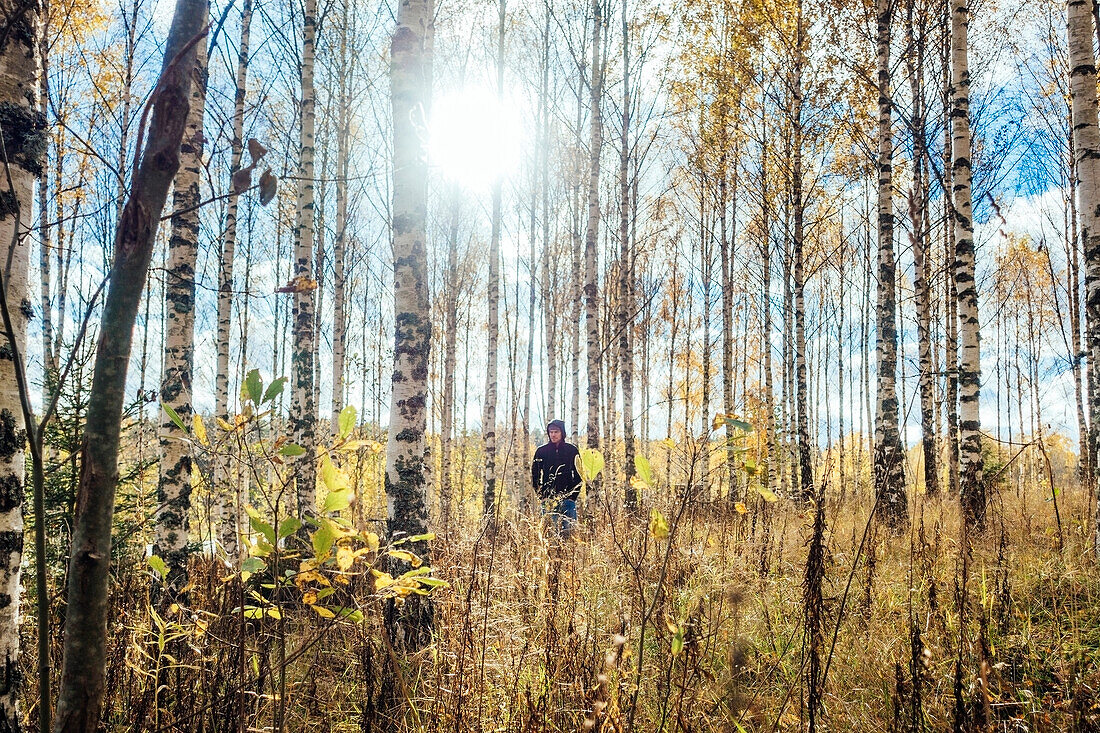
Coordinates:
<point>555,435</point>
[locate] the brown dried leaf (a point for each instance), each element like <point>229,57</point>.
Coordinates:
<point>269,184</point>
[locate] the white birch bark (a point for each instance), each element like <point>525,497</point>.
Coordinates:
<point>174,481</point>
<point>1086,148</point>
<point>489,413</point>
<point>227,503</point>
<point>971,486</point>
<point>303,409</point>
<point>591,240</point>
<point>24,150</point>
<point>406,450</point>
<point>889,467</point>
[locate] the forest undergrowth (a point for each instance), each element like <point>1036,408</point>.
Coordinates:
<point>690,616</point>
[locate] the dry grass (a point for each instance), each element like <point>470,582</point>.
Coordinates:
<point>702,631</point>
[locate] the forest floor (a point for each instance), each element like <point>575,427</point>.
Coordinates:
<point>621,627</point>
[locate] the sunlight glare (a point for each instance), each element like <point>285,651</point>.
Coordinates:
<point>474,138</point>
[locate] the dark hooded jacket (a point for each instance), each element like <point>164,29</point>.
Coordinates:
<point>554,470</point>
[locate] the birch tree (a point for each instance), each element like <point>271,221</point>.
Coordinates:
<point>489,415</point>
<point>971,487</point>
<point>889,467</point>
<point>406,450</point>
<point>226,510</point>
<point>1086,149</point>
<point>303,408</point>
<point>591,237</point>
<point>174,482</point>
<point>23,146</point>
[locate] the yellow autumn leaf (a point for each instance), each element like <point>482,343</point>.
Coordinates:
<point>345,558</point>
<point>740,507</point>
<point>323,612</point>
<point>658,525</point>
<point>199,429</point>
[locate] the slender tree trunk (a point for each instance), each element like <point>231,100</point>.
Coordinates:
<point>972,486</point>
<point>889,459</point>
<point>1086,145</point>
<point>174,486</point>
<point>951,337</point>
<point>303,409</point>
<point>450,360</point>
<point>23,148</point>
<point>227,513</point>
<point>626,277</point>
<point>918,215</point>
<point>591,239</point>
<point>339,254</point>
<point>406,452</point>
<point>805,457</point>
<point>83,670</point>
<point>489,416</point>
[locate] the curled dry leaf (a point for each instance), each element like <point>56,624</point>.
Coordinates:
<point>269,184</point>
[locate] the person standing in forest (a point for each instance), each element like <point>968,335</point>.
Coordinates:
<point>555,478</point>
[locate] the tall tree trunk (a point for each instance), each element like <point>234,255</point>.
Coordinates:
<point>489,414</point>
<point>971,484</point>
<point>406,450</point>
<point>85,648</point>
<point>805,458</point>
<point>174,485</point>
<point>343,155</point>
<point>918,216</point>
<point>591,238</point>
<point>1086,145</point>
<point>450,360</point>
<point>303,409</point>
<point>951,337</point>
<point>226,509</point>
<point>889,466</point>
<point>23,145</point>
<point>626,277</point>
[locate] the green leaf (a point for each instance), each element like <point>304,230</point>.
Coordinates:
<point>337,501</point>
<point>263,528</point>
<point>678,641</point>
<point>158,564</point>
<point>767,494</point>
<point>173,416</point>
<point>589,464</point>
<point>734,424</point>
<point>292,450</point>
<point>255,386</point>
<point>289,526</point>
<point>346,422</point>
<point>643,470</point>
<point>325,593</point>
<point>323,538</point>
<point>253,565</point>
<point>356,617</point>
<point>422,537</point>
<point>433,582</point>
<point>274,390</point>
<point>253,612</point>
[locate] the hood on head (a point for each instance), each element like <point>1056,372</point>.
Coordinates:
<point>559,425</point>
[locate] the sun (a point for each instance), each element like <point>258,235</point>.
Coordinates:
<point>474,138</point>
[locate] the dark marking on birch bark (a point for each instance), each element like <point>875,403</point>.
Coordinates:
<point>25,139</point>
